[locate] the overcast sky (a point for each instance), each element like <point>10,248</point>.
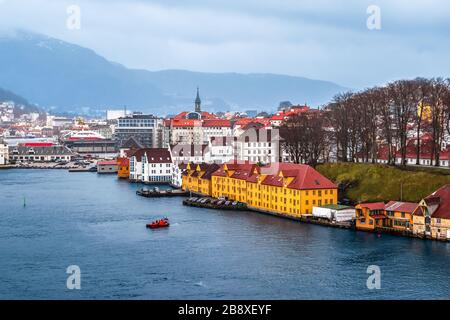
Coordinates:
<point>318,39</point>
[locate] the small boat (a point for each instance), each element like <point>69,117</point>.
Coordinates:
<point>163,223</point>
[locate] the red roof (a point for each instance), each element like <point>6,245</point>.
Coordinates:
<point>305,177</point>
<point>204,115</point>
<point>441,198</point>
<point>277,117</point>
<point>107,163</point>
<point>398,206</point>
<point>411,150</point>
<point>38,144</point>
<point>245,121</point>
<point>186,123</point>
<point>216,123</point>
<point>373,206</point>
<point>154,155</point>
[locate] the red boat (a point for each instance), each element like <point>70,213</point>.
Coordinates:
<point>163,223</point>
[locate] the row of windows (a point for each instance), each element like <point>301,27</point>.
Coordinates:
<point>253,186</point>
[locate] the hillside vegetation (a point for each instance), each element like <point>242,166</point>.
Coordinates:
<point>370,182</point>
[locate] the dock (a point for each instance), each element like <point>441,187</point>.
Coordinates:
<point>211,203</point>
<point>83,169</point>
<point>161,193</point>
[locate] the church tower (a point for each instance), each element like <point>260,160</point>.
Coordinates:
<point>198,103</point>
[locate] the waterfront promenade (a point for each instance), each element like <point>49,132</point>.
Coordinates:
<point>98,222</point>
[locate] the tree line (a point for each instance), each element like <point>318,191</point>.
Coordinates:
<point>355,125</point>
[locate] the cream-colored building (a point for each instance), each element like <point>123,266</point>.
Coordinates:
<point>432,216</point>
<point>3,153</point>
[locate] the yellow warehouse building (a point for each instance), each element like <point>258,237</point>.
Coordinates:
<point>282,188</point>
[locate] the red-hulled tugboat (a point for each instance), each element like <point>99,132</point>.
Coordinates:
<point>163,223</point>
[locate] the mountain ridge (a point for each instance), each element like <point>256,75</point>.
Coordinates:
<point>55,74</point>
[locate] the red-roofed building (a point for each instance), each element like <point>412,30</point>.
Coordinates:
<point>107,166</point>
<point>151,165</point>
<point>280,188</point>
<point>37,144</point>
<point>425,155</point>
<point>370,216</point>
<point>400,215</point>
<point>280,116</point>
<point>196,127</point>
<point>432,217</point>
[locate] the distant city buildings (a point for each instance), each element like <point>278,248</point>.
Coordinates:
<point>6,112</point>
<point>116,114</point>
<point>40,153</point>
<point>143,128</point>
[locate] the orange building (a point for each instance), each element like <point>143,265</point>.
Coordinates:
<point>123,168</point>
<point>370,215</point>
<point>400,215</point>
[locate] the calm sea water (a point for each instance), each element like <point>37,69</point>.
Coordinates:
<point>98,223</point>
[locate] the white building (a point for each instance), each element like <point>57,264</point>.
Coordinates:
<point>143,128</point>
<point>185,153</point>
<point>221,149</point>
<point>3,153</point>
<point>6,111</point>
<point>177,174</point>
<point>151,165</point>
<point>116,114</point>
<point>39,153</point>
<point>196,127</point>
<point>258,145</point>
<point>54,121</point>
<point>337,213</point>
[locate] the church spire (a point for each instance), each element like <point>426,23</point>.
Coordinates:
<point>198,103</point>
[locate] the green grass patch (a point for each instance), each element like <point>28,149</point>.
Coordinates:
<point>374,182</point>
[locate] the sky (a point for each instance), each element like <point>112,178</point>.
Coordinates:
<point>326,40</point>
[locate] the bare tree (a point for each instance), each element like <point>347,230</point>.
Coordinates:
<point>404,97</point>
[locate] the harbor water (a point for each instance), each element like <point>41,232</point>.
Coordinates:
<point>53,219</point>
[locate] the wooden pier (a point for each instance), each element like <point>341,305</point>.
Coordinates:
<point>161,193</point>
<point>211,203</point>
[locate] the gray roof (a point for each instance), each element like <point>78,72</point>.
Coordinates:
<point>38,151</point>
